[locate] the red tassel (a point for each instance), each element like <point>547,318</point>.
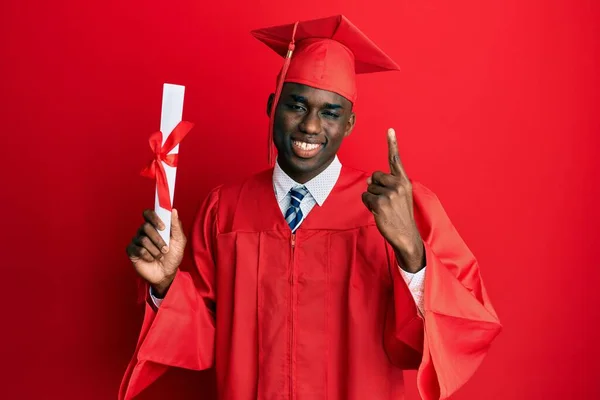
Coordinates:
<point>284,69</point>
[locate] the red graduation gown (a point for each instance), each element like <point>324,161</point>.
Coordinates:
<point>322,314</point>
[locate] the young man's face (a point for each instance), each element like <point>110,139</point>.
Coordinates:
<point>310,125</point>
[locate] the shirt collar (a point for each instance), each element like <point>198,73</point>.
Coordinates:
<point>319,187</point>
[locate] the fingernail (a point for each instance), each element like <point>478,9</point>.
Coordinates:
<point>165,249</point>
<point>161,227</point>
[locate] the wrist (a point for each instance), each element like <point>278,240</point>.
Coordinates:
<point>411,258</point>
<point>159,290</point>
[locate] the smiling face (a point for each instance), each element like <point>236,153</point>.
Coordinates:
<point>310,125</point>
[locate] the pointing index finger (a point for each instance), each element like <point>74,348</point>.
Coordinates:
<point>396,167</point>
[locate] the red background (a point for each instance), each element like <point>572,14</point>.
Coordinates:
<point>496,110</point>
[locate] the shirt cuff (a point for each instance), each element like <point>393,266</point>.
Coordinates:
<point>154,299</point>
<point>416,285</point>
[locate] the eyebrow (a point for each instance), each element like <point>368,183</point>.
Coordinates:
<point>303,100</point>
<point>298,98</point>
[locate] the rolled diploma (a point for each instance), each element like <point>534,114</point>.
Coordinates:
<point>171,114</point>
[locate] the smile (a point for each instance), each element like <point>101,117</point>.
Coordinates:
<point>306,146</point>
<point>305,150</point>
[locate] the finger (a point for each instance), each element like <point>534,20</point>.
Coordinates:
<point>136,252</point>
<point>151,217</point>
<point>132,250</point>
<point>145,255</point>
<point>379,190</point>
<point>386,180</point>
<point>176,226</point>
<point>146,243</point>
<point>369,200</point>
<point>396,167</point>
<point>151,232</point>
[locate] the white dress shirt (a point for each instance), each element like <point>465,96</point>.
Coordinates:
<point>319,189</point>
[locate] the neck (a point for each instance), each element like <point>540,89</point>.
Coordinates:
<point>302,176</point>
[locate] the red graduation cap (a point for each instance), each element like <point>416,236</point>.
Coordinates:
<point>324,53</point>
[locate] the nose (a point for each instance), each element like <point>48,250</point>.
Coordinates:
<point>311,124</point>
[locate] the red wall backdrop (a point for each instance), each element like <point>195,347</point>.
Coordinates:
<point>496,110</point>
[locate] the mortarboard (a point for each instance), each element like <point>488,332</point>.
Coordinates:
<point>324,53</point>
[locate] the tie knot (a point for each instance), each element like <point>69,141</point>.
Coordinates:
<point>297,194</point>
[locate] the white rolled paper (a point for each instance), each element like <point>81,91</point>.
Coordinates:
<point>171,114</point>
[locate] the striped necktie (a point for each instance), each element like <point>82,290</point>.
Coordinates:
<point>293,215</point>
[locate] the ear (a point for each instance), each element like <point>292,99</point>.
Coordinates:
<point>270,104</point>
<point>350,124</point>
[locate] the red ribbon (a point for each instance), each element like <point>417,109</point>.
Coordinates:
<point>155,169</point>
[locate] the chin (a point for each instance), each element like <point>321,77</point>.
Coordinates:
<point>299,164</point>
<point>307,165</point>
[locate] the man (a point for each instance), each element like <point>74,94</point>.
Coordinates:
<point>307,280</point>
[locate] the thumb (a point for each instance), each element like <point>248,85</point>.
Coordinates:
<point>176,227</point>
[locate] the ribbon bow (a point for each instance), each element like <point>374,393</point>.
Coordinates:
<point>155,169</point>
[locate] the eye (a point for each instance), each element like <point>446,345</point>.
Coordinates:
<point>295,107</point>
<point>330,114</point>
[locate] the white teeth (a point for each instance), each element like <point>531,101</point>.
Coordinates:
<point>305,146</point>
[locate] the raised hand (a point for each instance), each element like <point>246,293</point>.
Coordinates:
<point>150,256</point>
<point>389,198</point>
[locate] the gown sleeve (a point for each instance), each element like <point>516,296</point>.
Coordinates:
<point>181,332</point>
<point>448,343</point>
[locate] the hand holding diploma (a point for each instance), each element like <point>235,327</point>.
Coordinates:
<point>158,246</point>
<point>152,259</point>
